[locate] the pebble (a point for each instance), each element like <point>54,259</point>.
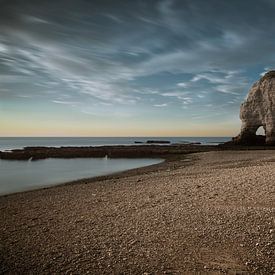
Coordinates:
<point>160,216</point>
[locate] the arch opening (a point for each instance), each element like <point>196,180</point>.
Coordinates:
<point>260,131</point>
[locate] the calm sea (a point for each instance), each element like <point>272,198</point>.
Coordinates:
<point>8,143</point>
<point>16,176</point>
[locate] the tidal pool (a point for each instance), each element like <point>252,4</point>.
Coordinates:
<point>16,176</point>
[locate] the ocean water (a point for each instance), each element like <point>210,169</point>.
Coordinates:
<point>16,176</point>
<point>8,143</point>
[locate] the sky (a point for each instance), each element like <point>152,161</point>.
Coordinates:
<point>130,68</point>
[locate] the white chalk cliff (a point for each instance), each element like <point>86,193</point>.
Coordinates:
<point>259,110</point>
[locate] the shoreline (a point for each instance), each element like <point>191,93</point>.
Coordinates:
<point>114,175</point>
<point>166,153</point>
<point>168,163</point>
<point>173,153</point>
<point>212,213</point>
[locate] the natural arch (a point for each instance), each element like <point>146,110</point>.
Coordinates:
<point>258,112</point>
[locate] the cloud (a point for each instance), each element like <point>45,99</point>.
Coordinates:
<point>65,102</point>
<point>228,82</point>
<point>13,79</point>
<point>113,18</point>
<point>182,84</point>
<point>3,48</point>
<point>58,65</point>
<point>160,105</point>
<point>34,19</point>
<point>114,55</point>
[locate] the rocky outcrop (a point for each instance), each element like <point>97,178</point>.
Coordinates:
<point>258,110</point>
<point>119,151</point>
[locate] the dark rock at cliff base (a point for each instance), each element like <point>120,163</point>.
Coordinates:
<point>158,142</point>
<point>258,110</point>
<point>250,140</point>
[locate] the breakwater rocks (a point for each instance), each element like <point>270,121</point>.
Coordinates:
<point>152,141</point>
<point>132,151</point>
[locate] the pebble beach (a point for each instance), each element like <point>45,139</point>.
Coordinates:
<point>207,213</point>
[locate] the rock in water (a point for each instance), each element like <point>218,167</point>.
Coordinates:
<point>259,110</point>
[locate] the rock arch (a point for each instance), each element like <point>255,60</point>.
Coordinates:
<point>259,110</point>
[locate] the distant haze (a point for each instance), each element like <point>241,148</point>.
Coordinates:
<point>130,68</point>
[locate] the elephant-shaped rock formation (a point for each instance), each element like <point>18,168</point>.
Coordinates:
<point>258,110</point>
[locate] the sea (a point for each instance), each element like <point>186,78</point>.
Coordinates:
<point>17,176</point>
<point>23,175</point>
<point>9,143</point>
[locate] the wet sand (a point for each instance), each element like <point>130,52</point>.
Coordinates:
<point>211,212</point>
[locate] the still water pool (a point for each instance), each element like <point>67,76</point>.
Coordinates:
<point>16,176</point>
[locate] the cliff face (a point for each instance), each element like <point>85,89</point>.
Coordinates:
<point>259,110</point>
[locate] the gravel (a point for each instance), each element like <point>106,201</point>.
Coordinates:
<point>214,214</point>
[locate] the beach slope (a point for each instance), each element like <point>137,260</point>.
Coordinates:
<point>214,211</point>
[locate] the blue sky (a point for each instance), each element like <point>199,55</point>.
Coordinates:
<point>130,68</point>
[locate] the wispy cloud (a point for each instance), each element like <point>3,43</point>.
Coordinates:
<point>182,84</point>
<point>160,105</point>
<point>129,58</point>
<point>65,102</point>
